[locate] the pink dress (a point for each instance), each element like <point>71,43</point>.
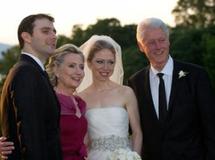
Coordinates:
<point>73,128</point>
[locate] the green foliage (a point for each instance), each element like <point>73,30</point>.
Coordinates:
<point>133,60</point>
<point>108,27</point>
<point>209,53</point>
<point>125,36</point>
<point>9,58</point>
<point>195,46</point>
<point>193,38</point>
<point>195,13</point>
<point>63,40</point>
<point>78,35</point>
<point>186,45</point>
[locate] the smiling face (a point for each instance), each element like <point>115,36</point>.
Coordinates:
<point>102,64</point>
<point>70,72</point>
<point>155,45</point>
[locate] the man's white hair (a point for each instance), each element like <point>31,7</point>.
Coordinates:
<point>150,23</point>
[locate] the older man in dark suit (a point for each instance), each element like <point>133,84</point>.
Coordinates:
<point>176,101</point>
<point>29,108</point>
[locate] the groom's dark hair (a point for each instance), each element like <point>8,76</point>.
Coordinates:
<point>27,25</point>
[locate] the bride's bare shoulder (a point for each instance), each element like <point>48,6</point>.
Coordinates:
<point>126,89</point>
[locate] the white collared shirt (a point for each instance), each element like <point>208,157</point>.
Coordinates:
<point>36,59</point>
<point>154,82</point>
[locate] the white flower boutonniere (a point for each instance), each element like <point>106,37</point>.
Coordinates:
<point>182,74</point>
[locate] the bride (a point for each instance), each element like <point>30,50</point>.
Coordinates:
<point>111,107</point>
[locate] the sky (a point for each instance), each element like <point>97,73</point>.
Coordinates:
<point>70,12</point>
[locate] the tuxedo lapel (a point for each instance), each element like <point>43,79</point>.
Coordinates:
<point>27,59</point>
<point>174,88</point>
<point>148,94</point>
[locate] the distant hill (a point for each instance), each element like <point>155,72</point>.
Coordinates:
<point>4,47</point>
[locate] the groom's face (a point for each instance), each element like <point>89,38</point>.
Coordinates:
<point>43,39</point>
<point>155,45</point>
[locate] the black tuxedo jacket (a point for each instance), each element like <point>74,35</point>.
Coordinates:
<point>189,130</point>
<point>30,113</point>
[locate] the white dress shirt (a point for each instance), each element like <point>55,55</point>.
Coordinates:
<point>36,59</point>
<point>154,82</point>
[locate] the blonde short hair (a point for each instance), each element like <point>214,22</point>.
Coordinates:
<point>58,57</point>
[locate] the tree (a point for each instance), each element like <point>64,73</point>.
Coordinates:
<point>62,40</point>
<point>78,34</point>
<point>110,27</point>
<point>133,60</point>
<point>186,44</point>
<point>195,46</point>
<point>195,13</point>
<point>209,52</point>
<point>9,59</point>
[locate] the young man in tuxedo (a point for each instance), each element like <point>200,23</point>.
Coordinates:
<point>29,108</point>
<point>176,101</point>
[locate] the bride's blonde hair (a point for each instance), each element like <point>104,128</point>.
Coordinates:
<point>93,45</point>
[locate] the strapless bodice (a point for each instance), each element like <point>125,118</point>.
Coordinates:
<point>108,133</point>
<point>106,121</point>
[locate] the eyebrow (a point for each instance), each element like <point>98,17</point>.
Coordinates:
<point>100,59</point>
<point>49,28</point>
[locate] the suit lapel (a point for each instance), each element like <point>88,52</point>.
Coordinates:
<point>148,94</point>
<point>174,88</point>
<point>29,60</point>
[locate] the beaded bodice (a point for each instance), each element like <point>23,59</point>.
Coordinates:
<point>108,128</point>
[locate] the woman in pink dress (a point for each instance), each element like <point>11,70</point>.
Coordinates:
<point>73,127</point>
<point>66,71</point>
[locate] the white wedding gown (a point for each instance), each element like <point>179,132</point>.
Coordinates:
<point>108,131</point>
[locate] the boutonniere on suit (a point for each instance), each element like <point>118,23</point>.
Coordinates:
<point>182,74</point>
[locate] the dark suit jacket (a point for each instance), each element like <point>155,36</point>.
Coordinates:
<point>30,113</point>
<point>189,131</point>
